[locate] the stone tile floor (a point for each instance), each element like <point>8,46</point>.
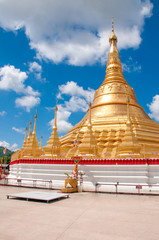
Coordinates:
<point>83,216</point>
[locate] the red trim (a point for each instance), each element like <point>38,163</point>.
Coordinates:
<point>89,161</point>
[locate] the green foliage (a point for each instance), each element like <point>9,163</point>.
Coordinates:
<point>6,160</point>
<point>81,173</point>
<point>6,157</point>
<point>67,175</point>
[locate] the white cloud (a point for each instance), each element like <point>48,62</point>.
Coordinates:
<point>3,113</point>
<point>72,89</point>
<point>12,78</point>
<point>36,69</point>
<point>154,108</point>
<point>145,10</point>
<point>13,147</point>
<point>27,102</point>
<point>76,31</point>
<point>78,102</point>
<point>19,130</point>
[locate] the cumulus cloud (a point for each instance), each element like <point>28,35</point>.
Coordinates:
<point>13,147</point>
<point>3,113</point>
<point>72,89</point>
<point>12,79</point>
<point>19,130</point>
<point>27,102</point>
<point>78,102</point>
<point>36,69</point>
<point>154,108</point>
<point>75,31</point>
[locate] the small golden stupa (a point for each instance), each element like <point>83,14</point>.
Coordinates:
<point>52,149</point>
<point>115,125</point>
<point>30,148</point>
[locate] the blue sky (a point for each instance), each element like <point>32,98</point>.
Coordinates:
<point>58,50</point>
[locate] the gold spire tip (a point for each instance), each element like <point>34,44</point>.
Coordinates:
<point>36,114</point>
<point>112,36</point>
<point>56,108</point>
<point>112,25</point>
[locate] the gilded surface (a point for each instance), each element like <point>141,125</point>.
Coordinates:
<point>115,126</point>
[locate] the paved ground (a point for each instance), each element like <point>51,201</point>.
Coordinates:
<point>82,216</point>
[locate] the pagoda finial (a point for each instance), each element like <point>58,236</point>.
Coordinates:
<point>114,68</point>
<point>55,120</point>
<point>34,131</point>
<point>29,134</point>
<point>25,139</point>
<point>112,36</point>
<point>41,143</point>
<point>112,25</point>
<point>36,113</point>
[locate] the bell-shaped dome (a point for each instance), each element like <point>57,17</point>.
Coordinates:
<point>109,112</point>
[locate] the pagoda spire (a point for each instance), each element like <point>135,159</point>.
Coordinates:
<point>113,36</point>
<point>114,68</point>
<point>31,148</point>
<point>25,139</point>
<point>112,25</point>
<point>88,143</point>
<point>41,143</point>
<point>55,120</point>
<point>34,131</point>
<point>29,134</point>
<point>52,149</point>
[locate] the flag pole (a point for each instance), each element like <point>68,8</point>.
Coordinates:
<point>1,169</point>
<point>78,143</point>
<point>78,148</point>
<point>2,159</point>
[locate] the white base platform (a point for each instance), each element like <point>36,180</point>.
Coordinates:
<point>102,178</point>
<point>42,196</point>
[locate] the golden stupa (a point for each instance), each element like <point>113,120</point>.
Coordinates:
<point>115,125</point>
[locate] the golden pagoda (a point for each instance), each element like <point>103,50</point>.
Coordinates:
<point>88,145</point>
<point>115,125</point>
<point>119,124</point>
<point>19,153</point>
<point>30,148</point>
<point>52,149</point>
